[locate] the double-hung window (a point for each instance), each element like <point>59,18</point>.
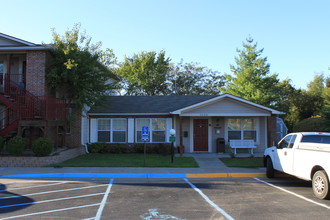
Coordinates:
<point>112,130</point>
<point>242,128</point>
<point>157,129</point>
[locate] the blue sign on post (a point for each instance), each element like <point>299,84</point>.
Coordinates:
<point>145,133</point>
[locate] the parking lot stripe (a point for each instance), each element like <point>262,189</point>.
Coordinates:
<point>209,201</point>
<point>51,211</point>
<point>104,201</point>
<point>54,191</point>
<point>29,187</point>
<point>224,175</point>
<point>51,200</point>
<point>292,193</point>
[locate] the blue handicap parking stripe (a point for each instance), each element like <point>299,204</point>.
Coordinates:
<point>99,175</point>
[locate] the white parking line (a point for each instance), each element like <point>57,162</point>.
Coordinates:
<point>29,187</point>
<point>292,193</point>
<point>104,200</point>
<point>51,211</point>
<point>51,200</point>
<point>209,201</point>
<point>54,191</point>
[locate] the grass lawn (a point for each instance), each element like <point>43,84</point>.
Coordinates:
<point>243,162</point>
<point>127,160</point>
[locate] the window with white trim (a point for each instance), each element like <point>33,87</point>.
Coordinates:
<point>112,130</point>
<point>242,128</point>
<point>157,129</point>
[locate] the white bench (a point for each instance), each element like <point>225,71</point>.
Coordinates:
<point>249,144</point>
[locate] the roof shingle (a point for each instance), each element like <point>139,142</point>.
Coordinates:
<point>148,104</point>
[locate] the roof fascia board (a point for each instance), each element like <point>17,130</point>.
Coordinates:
<point>17,40</point>
<point>25,48</point>
<point>227,115</point>
<point>128,114</point>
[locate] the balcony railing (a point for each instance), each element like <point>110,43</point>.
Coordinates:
<point>29,106</point>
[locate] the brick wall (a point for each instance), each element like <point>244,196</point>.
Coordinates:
<point>36,72</point>
<point>12,161</point>
<point>74,138</point>
<point>271,121</point>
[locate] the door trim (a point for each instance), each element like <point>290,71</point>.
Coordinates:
<point>209,138</point>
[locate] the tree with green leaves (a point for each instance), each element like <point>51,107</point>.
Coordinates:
<point>191,79</point>
<point>251,79</point>
<point>79,71</point>
<point>326,96</point>
<point>145,73</point>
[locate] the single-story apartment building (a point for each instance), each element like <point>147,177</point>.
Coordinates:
<point>203,123</point>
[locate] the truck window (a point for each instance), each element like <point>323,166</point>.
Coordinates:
<point>320,139</point>
<point>287,142</point>
<point>293,139</point>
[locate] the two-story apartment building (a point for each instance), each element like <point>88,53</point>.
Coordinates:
<point>27,108</point>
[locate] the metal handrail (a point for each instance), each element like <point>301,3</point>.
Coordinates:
<point>27,106</point>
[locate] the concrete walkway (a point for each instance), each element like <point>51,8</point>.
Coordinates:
<point>210,166</point>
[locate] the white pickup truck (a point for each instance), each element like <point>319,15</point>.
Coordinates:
<point>305,155</point>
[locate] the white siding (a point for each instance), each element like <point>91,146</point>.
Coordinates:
<point>93,130</point>
<point>169,126</point>
<point>130,130</point>
<point>226,107</point>
<point>84,130</point>
<point>6,42</point>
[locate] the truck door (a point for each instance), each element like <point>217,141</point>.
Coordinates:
<point>285,154</point>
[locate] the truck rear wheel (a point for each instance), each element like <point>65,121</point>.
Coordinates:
<point>269,168</point>
<point>321,184</point>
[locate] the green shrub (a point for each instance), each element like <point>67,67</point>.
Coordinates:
<point>313,124</point>
<point>2,141</point>
<point>116,148</point>
<point>97,147</point>
<point>162,149</point>
<point>42,147</point>
<point>16,145</point>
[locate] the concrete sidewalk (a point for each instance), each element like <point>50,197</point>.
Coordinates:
<point>210,166</point>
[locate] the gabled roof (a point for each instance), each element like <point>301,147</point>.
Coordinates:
<point>161,105</point>
<point>12,43</point>
<point>218,98</point>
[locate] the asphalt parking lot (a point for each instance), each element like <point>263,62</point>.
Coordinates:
<point>160,198</point>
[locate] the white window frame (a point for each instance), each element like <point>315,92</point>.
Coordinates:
<point>242,127</point>
<point>111,130</point>
<point>150,130</point>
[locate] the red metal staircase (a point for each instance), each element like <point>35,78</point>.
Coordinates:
<point>23,105</point>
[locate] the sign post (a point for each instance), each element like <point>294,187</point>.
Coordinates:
<point>172,140</point>
<point>145,138</point>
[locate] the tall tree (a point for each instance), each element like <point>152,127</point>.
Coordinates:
<point>251,79</point>
<point>191,79</point>
<point>315,90</point>
<point>316,86</point>
<point>145,73</point>
<point>79,70</point>
<point>326,95</point>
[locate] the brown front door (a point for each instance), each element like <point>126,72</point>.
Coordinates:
<point>200,135</point>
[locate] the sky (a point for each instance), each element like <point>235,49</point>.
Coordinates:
<point>294,34</point>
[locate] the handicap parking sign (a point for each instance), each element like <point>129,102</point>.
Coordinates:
<point>145,133</point>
